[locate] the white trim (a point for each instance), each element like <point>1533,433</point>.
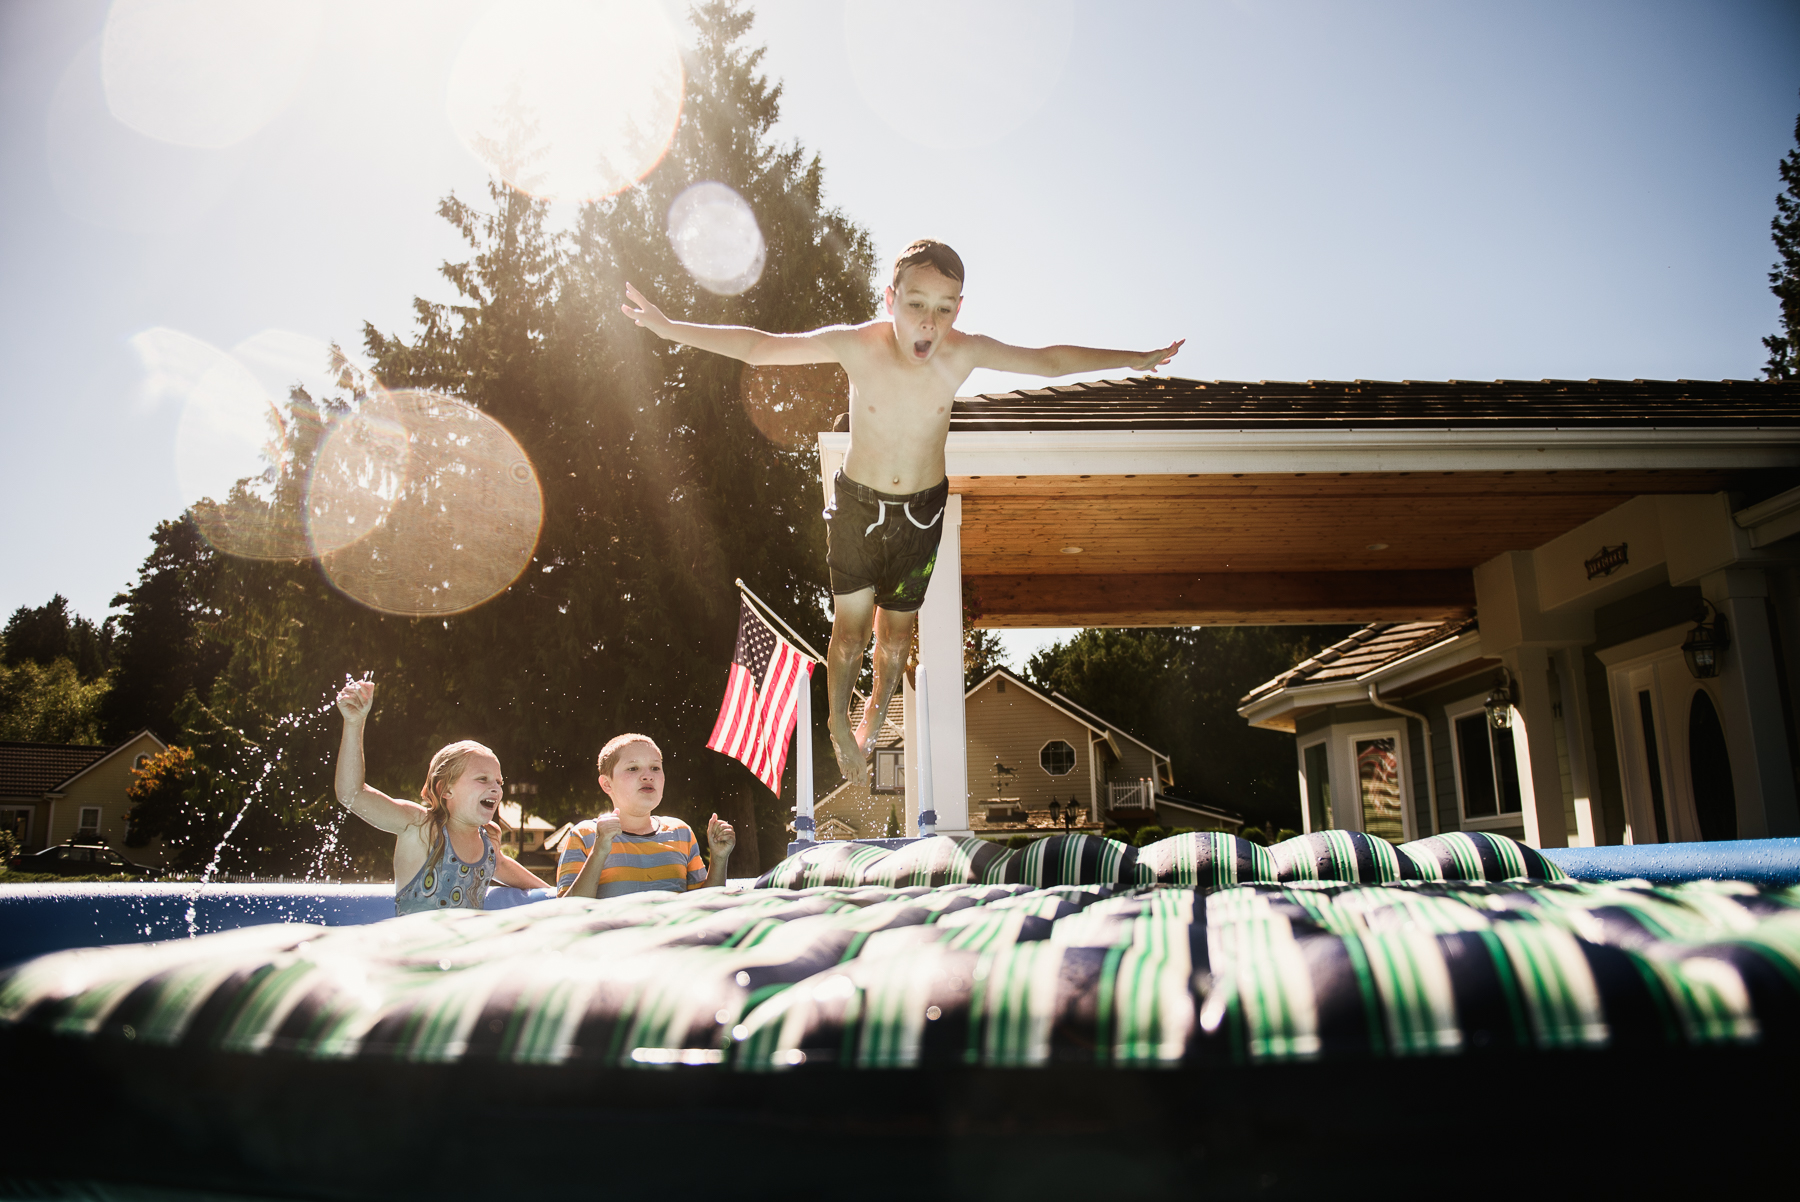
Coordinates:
<point>1076,718</point>
<point>1109,728</point>
<point>1455,711</point>
<point>1210,452</point>
<point>63,786</point>
<point>1072,762</point>
<point>1354,732</point>
<point>1301,748</point>
<point>1352,690</point>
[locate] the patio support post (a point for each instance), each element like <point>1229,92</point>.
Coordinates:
<point>1750,696</point>
<point>1540,777</point>
<point>940,653</point>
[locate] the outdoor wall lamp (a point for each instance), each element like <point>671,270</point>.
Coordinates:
<point>1706,643</point>
<point>1500,702</point>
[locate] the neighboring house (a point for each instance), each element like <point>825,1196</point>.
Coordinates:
<point>58,792</point>
<point>529,845</point>
<point>1026,750</point>
<point>1589,650</point>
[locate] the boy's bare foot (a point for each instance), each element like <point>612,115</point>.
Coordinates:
<point>850,758</point>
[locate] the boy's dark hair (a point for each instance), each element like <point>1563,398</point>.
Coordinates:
<point>929,252</point>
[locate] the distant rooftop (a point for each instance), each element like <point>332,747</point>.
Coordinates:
<point>1368,649</point>
<point>1156,402</point>
<point>30,770</point>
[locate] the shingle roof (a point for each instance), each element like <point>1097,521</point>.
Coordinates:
<point>1363,652</point>
<point>30,770</point>
<point>1154,402</point>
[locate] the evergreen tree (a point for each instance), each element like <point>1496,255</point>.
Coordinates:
<point>1784,278</point>
<point>50,632</point>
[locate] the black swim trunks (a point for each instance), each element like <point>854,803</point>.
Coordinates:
<point>880,541</point>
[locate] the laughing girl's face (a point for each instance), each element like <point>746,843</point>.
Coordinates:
<point>636,781</point>
<point>475,796</point>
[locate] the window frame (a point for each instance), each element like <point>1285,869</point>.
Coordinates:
<point>99,813</point>
<point>1323,738</point>
<point>897,754</point>
<point>1454,712</point>
<point>1074,758</point>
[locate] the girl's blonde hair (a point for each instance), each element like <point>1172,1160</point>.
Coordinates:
<point>609,754</point>
<point>445,769</point>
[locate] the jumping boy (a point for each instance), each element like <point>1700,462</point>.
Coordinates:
<point>883,527</point>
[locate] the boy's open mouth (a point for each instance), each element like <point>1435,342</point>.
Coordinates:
<point>922,347</point>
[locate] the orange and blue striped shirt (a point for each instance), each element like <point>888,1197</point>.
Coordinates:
<point>667,858</point>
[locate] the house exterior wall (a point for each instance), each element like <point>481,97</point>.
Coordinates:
<point>1013,727</point>
<point>101,786</point>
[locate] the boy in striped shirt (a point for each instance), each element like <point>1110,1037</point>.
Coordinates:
<point>632,849</point>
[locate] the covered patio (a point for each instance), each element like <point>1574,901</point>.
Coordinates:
<point>1149,501</point>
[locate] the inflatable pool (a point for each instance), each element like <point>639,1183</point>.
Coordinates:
<point>948,1017</point>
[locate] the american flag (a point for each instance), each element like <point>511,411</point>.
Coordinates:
<point>761,696</point>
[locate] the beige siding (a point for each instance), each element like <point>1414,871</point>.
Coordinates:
<point>1014,726</point>
<point>102,785</point>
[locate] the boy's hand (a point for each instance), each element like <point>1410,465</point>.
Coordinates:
<point>606,830</point>
<point>355,700</point>
<point>1156,359</point>
<point>721,840</point>
<point>646,314</point>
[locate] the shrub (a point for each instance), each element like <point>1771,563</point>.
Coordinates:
<point>1256,835</point>
<point>1146,835</point>
<point>9,847</point>
<point>1021,840</point>
<point>1116,832</point>
<point>1284,834</point>
<point>1181,830</point>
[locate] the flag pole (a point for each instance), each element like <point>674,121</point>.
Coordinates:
<point>803,765</point>
<point>764,607</point>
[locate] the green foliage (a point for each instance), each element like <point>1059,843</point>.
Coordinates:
<point>658,489</point>
<point>51,704</point>
<point>1146,835</point>
<point>50,632</point>
<point>1256,835</point>
<point>1181,830</point>
<point>891,830</point>
<point>1021,840</point>
<point>1784,277</point>
<point>1178,690</point>
<point>982,653</point>
<point>1117,833</point>
<point>9,846</point>
<point>1284,834</point>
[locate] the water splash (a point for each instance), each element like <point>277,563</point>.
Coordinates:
<point>292,723</point>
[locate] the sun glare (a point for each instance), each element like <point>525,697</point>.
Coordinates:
<point>715,235</point>
<point>568,101</point>
<point>205,73</point>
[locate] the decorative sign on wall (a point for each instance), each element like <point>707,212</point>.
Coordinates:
<point>1607,561</point>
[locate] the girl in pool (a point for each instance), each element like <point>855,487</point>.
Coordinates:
<point>443,858</point>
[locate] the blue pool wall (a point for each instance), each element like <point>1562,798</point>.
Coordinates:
<point>40,918</point>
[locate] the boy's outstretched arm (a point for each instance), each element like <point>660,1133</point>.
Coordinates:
<point>739,342</point>
<point>1065,360</point>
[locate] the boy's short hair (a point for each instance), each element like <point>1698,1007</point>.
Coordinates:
<point>609,754</point>
<point>929,252</point>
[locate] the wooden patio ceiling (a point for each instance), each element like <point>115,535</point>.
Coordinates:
<point>1264,549</point>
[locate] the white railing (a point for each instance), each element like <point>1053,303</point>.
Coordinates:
<point>1139,794</point>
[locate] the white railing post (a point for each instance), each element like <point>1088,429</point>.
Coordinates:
<point>803,765</point>
<point>922,698</point>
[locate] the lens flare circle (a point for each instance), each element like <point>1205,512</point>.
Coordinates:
<point>205,73</point>
<point>565,100</point>
<point>459,505</point>
<point>791,404</point>
<point>716,237</point>
<point>991,64</point>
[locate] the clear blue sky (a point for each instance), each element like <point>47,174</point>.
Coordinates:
<point>1304,190</point>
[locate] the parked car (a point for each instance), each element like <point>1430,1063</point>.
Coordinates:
<point>80,859</point>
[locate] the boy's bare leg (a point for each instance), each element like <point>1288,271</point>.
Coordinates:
<point>852,620</point>
<point>893,639</point>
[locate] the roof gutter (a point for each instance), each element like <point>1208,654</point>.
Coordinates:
<point>1425,723</point>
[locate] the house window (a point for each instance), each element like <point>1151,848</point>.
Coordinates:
<point>1000,685</point>
<point>1490,774</point>
<point>138,764</point>
<point>890,770</point>
<point>17,819</point>
<point>1318,788</point>
<point>90,825</point>
<point>1378,781</point>
<point>1057,758</point>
